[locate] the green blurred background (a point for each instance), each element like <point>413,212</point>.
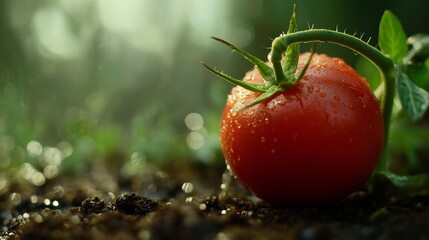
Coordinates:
<point>89,80</point>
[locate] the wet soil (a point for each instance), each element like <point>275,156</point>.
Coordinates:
<point>192,202</point>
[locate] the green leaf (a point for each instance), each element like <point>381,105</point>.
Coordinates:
<point>292,52</point>
<point>414,99</point>
<point>418,73</point>
<point>397,185</point>
<point>391,38</point>
<point>266,71</point>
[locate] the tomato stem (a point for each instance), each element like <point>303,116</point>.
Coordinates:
<point>382,62</point>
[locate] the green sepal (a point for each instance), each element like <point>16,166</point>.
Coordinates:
<point>297,76</point>
<point>290,63</point>
<point>392,38</point>
<point>264,96</point>
<point>278,78</point>
<point>254,87</point>
<point>414,100</point>
<point>265,70</point>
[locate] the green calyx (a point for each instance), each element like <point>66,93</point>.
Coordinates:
<point>275,81</point>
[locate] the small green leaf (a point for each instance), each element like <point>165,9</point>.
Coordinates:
<point>260,88</point>
<point>391,38</point>
<point>414,99</point>
<point>265,70</point>
<point>292,52</point>
<point>398,185</point>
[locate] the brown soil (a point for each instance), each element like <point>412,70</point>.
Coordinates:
<point>190,204</point>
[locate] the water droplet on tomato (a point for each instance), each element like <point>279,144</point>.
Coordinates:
<point>310,89</point>
<point>322,94</point>
<point>266,120</point>
<point>337,98</point>
<point>263,139</point>
<point>273,150</point>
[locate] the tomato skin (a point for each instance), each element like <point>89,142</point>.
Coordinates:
<point>312,144</point>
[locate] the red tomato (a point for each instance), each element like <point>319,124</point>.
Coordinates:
<point>312,144</point>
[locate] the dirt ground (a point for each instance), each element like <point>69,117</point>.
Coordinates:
<point>193,202</point>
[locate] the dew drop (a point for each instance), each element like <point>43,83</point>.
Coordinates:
<point>263,139</point>
<point>322,94</point>
<point>267,121</point>
<point>337,98</point>
<point>310,89</point>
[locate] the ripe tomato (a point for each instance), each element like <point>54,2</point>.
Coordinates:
<point>312,144</point>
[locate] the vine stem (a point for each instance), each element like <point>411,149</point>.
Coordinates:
<point>382,62</point>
